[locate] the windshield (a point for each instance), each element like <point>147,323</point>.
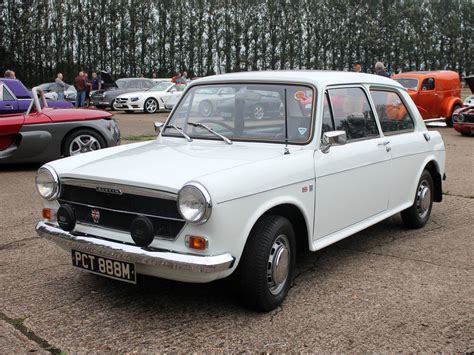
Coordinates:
<point>161,86</point>
<point>122,84</point>
<point>249,112</point>
<point>410,84</point>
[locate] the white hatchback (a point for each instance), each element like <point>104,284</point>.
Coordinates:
<point>226,191</point>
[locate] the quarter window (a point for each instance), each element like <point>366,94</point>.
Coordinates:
<point>7,96</point>
<point>352,113</point>
<point>392,112</point>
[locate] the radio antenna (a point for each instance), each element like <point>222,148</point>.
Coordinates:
<point>286,151</point>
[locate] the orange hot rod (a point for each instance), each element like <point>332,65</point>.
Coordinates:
<point>435,93</point>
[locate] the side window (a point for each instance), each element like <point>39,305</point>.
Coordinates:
<point>7,96</point>
<point>428,84</point>
<point>392,112</point>
<point>352,113</point>
<point>327,124</point>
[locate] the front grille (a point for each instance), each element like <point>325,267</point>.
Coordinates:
<point>118,211</point>
<point>121,100</point>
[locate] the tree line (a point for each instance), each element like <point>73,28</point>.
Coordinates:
<point>127,37</point>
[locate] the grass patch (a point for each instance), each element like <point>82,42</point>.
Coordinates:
<point>141,138</point>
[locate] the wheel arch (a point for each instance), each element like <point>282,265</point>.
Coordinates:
<point>297,219</point>
<point>433,167</point>
<point>448,106</point>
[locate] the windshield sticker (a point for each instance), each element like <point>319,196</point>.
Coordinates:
<point>302,130</point>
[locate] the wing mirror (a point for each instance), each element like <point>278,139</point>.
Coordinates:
<point>158,126</point>
<point>332,138</point>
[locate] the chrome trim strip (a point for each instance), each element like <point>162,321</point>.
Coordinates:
<point>133,190</point>
<point>132,253</point>
<point>121,211</point>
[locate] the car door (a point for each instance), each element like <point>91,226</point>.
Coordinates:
<point>427,99</point>
<point>10,126</point>
<point>8,102</point>
<point>408,148</point>
<point>351,179</point>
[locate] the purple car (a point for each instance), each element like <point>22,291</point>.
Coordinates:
<point>15,98</point>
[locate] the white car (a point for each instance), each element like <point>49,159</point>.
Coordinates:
<point>149,101</point>
<point>212,197</point>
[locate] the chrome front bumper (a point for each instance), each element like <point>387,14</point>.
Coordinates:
<point>135,254</point>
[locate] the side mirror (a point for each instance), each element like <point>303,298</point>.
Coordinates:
<point>332,138</point>
<point>158,126</point>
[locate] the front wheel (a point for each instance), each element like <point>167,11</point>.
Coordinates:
<point>419,213</point>
<point>83,141</point>
<point>267,264</point>
<point>151,105</point>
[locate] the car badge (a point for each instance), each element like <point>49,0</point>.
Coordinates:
<point>95,214</point>
<point>108,190</point>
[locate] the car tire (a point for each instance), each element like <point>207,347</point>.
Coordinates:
<point>112,105</point>
<point>83,141</point>
<point>419,213</point>
<point>205,108</point>
<point>449,120</point>
<point>267,265</point>
<point>151,105</point>
<point>258,112</point>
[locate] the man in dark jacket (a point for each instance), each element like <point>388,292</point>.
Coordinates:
<point>80,84</point>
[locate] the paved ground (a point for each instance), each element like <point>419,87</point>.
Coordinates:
<point>385,289</point>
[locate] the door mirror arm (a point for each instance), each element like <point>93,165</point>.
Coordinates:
<point>158,126</point>
<point>332,138</point>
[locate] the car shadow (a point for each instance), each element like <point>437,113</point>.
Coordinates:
<point>20,167</point>
<point>165,297</point>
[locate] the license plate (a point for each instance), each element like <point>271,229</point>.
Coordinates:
<point>115,269</point>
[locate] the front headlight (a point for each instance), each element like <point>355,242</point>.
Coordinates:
<point>135,98</point>
<point>47,183</point>
<point>194,203</point>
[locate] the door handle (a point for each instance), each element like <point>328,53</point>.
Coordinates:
<point>9,106</point>
<point>384,143</point>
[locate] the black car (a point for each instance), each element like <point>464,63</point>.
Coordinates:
<point>258,105</point>
<point>110,89</point>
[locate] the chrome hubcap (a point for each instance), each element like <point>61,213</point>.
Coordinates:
<point>278,264</point>
<point>259,112</point>
<point>83,144</point>
<point>423,199</point>
<point>150,106</point>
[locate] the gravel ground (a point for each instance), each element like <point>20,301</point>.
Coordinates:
<point>384,289</point>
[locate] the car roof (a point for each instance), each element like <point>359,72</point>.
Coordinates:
<point>434,73</point>
<point>127,79</point>
<point>315,77</point>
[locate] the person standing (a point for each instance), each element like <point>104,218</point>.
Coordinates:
<point>80,85</point>
<point>61,86</point>
<point>10,74</point>
<point>380,70</point>
<point>356,67</point>
<point>87,98</point>
<point>95,82</point>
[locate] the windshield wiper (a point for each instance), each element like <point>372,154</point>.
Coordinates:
<point>209,129</point>
<point>180,130</point>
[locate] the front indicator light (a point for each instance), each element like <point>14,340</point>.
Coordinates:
<point>195,242</point>
<point>48,214</point>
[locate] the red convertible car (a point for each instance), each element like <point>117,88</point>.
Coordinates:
<point>42,133</point>
<point>463,118</point>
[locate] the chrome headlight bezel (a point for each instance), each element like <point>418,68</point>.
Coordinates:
<point>135,98</point>
<point>202,196</point>
<point>50,177</point>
